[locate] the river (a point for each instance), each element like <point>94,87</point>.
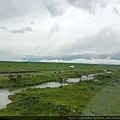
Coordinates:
<point>4,93</point>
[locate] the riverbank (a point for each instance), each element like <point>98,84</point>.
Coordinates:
<point>65,100</point>
<point>72,100</point>
<point>5,93</point>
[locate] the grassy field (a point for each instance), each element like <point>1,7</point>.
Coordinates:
<point>73,100</point>
<point>44,72</point>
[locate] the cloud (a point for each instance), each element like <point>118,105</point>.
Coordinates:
<point>32,22</point>
<point>22,30</point>
<point>115,10</point>
<point>60,27</point>
<point>90,6</point>
<point>55,28</point>
<point>3,28</point>
<point>10,54</point>
<point>106,40</point>
<point>54,7</point>
<point>8,9</point>
<point>111,58</point>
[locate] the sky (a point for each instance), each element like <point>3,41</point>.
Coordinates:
<point>58,27</point>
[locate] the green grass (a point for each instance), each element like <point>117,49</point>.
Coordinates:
<point>72,100</point>
<point>105,103</point>
<point>45,72</point>
<point>26,80</point>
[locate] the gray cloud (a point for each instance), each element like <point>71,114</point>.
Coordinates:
<point>116,10</point>
<point>53,6</point>
<point>32,22</point>
<point>87,56</point>
<point>22,30</point>
<point>9,54</point>
<point>90,6</point>
<point>106,40</point>
<point>3,28</point>
<point>8,9</point>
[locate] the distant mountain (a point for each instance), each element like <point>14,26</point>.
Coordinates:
<point>88,56</point>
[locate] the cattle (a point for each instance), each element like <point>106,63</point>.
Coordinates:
<point>107,76</point>
<point>59,72</point>
<point>13,79</point>
<point>79,75</point>
<point>62,80</point>
<point>19,76</point>
<point>28,74</point>
<point>11,76</point>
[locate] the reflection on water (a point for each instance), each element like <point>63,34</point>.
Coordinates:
<point>83,77</point>
<point>49,84</point>
<point>90,77</point>
<point>73,80</point>
<point>4,98</point>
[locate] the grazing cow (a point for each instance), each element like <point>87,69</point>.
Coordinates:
<point>19,76</point>
<point>62,80</point>
<point>65,81</point>
<point>107,76</point>
<point>59,72</point>
<point>13,79</point>
<point>11,76</point>
<point>79,75</point>
<point>28,74</point>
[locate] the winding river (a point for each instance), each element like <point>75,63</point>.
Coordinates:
<point>4,93</point>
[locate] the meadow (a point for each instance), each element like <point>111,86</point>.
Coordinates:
<point>76,99</point>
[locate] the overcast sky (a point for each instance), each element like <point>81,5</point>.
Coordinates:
<point>58,27</point>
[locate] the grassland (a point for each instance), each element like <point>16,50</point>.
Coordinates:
<point>72,100</point>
